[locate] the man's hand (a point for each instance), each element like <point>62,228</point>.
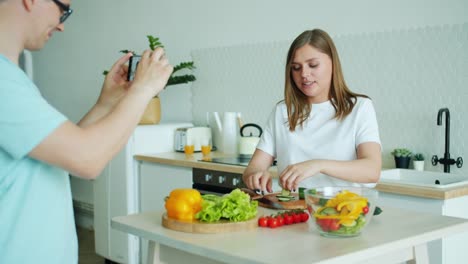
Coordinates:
<point>115,85</point>
<point>152,72</point>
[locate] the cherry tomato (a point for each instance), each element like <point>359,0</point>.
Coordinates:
<point>297,218</point>
<point>304,217</point>
<point>280,220</point>
<point>334,225</point>
<point>288,219</point>
<point>365,209</point>
<point>324,224</point>
<point>263,221</point>
<point>272,222</point>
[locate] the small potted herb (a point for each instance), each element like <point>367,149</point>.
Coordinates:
<point>418,161</point>
<point>152,113</point>
<point>402,157</point>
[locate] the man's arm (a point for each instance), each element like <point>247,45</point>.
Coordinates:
<point>84,151</point>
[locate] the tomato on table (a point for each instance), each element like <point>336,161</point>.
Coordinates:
<point>263,221</point>
<point>280,220</point>
<point>304,217</point>
<point>296,217</point>
<point>288,219</point>
<point>272,222</point>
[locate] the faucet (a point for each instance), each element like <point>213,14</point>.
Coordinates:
<point>446,160</point>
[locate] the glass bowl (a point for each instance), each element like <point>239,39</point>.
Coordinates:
<point>340,211</point>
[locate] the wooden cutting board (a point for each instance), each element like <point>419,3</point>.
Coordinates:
<point>290,205</point>
<point>207,228</point>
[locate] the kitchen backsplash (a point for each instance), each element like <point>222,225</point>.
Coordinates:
<point>409,74</point>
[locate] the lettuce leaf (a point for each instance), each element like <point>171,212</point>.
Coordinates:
<point>235,206</point>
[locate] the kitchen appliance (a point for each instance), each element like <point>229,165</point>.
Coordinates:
<point>197,136</point>
<point>116,191</point>
<point>248,144</point>
<point>219,182</point>
<point>226,132</point>
<point>216,182</point>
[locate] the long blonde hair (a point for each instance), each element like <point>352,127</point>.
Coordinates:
<point>342,99</point>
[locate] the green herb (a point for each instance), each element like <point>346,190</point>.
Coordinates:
<point>235,206</point>
<point>401,152</point>
<point>154,43</point>
<point>418,156</point>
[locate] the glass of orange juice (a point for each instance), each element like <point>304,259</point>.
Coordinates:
<point>206,150</point>
<point>189,149</point>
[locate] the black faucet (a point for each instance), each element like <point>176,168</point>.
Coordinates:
<point>447,161</point>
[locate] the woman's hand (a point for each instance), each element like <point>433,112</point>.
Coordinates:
<point>256,176</point>
<point>260,180</point>
<point>295,173</point>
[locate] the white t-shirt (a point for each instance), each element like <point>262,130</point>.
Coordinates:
<point>321,137</point>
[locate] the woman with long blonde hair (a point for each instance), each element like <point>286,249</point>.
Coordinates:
<point>322,134</point>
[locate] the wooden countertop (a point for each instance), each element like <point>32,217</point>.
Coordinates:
<point>180,159</point>
<point>194,161</point>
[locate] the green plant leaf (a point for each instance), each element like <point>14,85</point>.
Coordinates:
<point>180,79</point>
<point>154,42</point>
<point>184,65</point>
<point>127,51</point>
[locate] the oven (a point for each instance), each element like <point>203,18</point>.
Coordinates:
<point>219,182</point>
<point>216,182</point>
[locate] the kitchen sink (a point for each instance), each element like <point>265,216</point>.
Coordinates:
<point>423,178</point>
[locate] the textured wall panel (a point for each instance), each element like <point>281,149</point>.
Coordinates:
<point>410,74</point>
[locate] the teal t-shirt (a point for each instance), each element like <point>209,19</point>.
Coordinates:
<point>36,213</point>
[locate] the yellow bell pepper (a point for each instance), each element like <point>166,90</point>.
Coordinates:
<point>183,204</point>
<point>348,206</point>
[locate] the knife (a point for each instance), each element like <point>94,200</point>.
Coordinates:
<point>269,203</point>
<point>256,196</point>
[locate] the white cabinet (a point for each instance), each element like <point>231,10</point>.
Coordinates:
<point>449,250</point>
<point>156,182</point>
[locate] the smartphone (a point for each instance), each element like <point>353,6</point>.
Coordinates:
<point>132,65</point>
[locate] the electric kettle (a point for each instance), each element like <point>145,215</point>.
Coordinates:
<point>248,144</point>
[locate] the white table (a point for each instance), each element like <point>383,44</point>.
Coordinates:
<point>394,236</point>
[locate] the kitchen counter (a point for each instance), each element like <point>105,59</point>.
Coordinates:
<point>180,159</point>
<point>391,237</point>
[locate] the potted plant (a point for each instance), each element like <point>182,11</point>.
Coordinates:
<point>418,161</point>
<point>152,113</point>
<point>402,157</point>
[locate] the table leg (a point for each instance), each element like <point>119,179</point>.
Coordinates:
<point>153,253</point>
<point>420,254</point>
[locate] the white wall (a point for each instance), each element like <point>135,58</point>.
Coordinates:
<point>68,70</point>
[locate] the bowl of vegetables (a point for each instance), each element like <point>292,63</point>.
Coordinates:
<point>340,211</point>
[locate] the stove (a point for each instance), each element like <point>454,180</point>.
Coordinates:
<point>238,161</point>
<point>219,182</point>
<point>216,182</point>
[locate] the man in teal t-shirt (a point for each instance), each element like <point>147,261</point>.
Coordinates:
<point>39,146</point>
<point>35,197</point>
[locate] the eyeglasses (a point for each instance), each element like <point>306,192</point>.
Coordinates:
<point>66,10</point>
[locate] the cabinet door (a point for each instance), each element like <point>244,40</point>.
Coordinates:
<point>157,181</point>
